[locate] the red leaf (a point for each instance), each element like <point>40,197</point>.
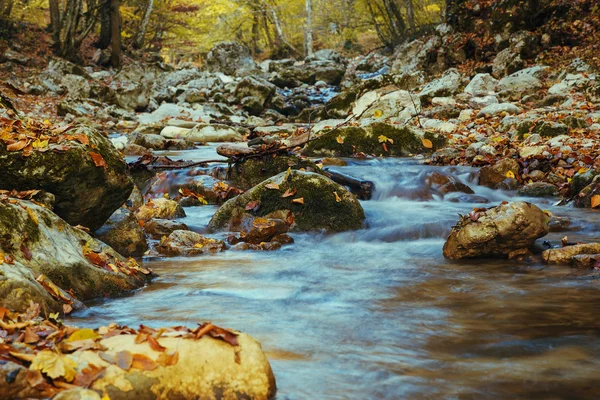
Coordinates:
<point>98,160</point>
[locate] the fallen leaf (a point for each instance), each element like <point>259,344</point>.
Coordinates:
<point>253,205</point>
<point>83,334</point>
<point>377,113</point>
<point>595,200</point>
<point>39,144</point>
<point>299,200</point>
<point>168,359</point>
<point>339,139</point>
<point>98,160</point>
<point>510,175</point>
<point>427,143</point>
<point>337,197</point>
<point>154,345</point>
<point>20,145</point>
<point>30,336</point>
<point>289,193</point>
<point>124,360</point>
<point>272,186</point>
<point>55,365</point>
<point>143,362</point>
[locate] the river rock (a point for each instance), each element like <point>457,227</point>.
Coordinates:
<point>123,233</point>
<point>314,204</point>
<point>156,228</point>
<point>231,58</point>
<point>538,189</point>
<point>40,242</point>
<point>349,140</point>
<point>496,109</point>
<point>188,243</point>
<point>482,85</point>
<point>564,255</point>
<point>86,194</point>
<point>497,231</point>
<point>203,133</point>
<point>150,141</point>
<point>255,87</point>
<point>446,85</point>
<point>160,208</point>
<point>264,230</point>
<point>492,175</point>
<point>204,368</point>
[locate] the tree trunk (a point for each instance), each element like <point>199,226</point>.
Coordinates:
<point>280,37</point>
<point>138,42</point>
<point>54,18</point>
<point>308,34</point>
<point>255,32</point>
<point>410,14</point>
<point>115,25</point>
<point>105,29</point>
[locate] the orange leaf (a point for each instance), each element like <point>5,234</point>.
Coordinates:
<point>299,200</point>
<point>20,145</point>
<point>143,362</point>
<point>155,345</point>
<point>289,193</point>
<point>337,197</point>
<point>595,200</point>
<point>166,359</point>
<point>272,186</point>
<point>427,143</point>
<point>98,160</point>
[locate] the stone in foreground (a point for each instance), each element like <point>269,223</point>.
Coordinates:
<point>34,242</point>
<point>316,203</point>
<point>567,254</point>
<point>497,231</point>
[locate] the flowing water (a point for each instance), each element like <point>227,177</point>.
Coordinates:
<point>379,313</point>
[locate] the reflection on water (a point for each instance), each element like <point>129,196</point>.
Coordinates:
<point>379,314</point>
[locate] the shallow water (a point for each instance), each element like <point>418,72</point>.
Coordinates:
<point>378,313</point>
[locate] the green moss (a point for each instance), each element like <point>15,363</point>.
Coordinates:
<point>253,171</point>
<point>319,211</point>
<point>355,140</point>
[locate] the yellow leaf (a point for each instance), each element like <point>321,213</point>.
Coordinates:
<point>39,144</point>
<point>510,174</point>
<point>288,173</point>
<point>595,200</point>
<point>337,197</point>
<point>83,334</point>
<point>198,246</point>
<point>32,215</point>
<point>339,139</point>
<point>382,138</point>
<point>378,113</point>
<point>55,365</point>
<point>427,143</point>
<point>272,186</point>
<point>299,200</point>
<point>583,170</point>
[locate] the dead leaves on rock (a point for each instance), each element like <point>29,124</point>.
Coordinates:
<point>45,347</point>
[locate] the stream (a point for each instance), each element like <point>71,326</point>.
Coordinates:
<point>379,313</point>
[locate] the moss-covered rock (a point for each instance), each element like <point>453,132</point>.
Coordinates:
<point>188,243</point>
<point>41,243</point>
<point>123,233</point>
<point>324,204</point>
<point>86,194</point>
<point>253,171</point>
<point>349,140</point>
<point>160,208</point>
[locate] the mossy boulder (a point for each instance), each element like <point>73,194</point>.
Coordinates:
<point>123,233</point>
<point>349,140</point>
<point>86,194</point>
<point>252,171</point>
<point>318,203</point>
<point>34,241</point>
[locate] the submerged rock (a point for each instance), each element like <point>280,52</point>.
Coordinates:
<point>156,228</point>
<point>497,231</point>
<point>565,255</point>
<point>34,241</point>
<point>89,181</point>
<point>316,202</point>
